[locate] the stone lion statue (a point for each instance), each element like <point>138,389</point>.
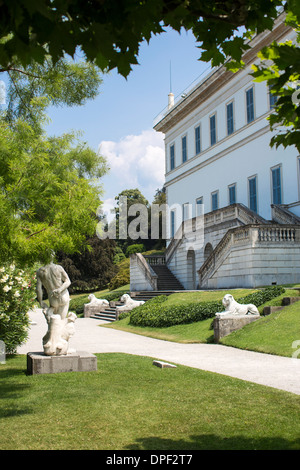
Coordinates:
<point>129,303</point>
<point>234,308</point>
<point>97,302</point>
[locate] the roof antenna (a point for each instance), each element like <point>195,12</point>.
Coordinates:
<point>170,95</point>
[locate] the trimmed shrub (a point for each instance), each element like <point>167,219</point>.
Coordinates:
<point>155,314</point>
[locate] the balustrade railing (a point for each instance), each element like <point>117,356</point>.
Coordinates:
<point>155,260</point>
<point>146,270</point>
<point>247,235</point>
<point>276,234</point>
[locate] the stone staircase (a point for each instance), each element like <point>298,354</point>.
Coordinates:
<point>108,313</point>
<point>166,280</point>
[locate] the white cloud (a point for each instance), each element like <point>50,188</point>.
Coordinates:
<point>136,161</point>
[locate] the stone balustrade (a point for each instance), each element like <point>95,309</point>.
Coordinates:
<point>250,236</point>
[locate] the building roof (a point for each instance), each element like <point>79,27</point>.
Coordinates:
<point>216,79</point>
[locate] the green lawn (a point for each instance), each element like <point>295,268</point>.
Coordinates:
<point>272,334</point>
<point>129,404</point>
<point>198,332</point>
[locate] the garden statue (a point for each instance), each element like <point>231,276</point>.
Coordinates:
<point>60,322</point>
<point>234,308</point>
<point>97,302</point>
<point>129,303</point>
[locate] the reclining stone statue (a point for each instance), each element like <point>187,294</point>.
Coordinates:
<point>129,303</point>
<point>60,321</point>
<point>97,302</point>
<point>232,307</point>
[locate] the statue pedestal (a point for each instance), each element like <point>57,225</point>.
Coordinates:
<point>90,310</point>
<point>79,361</point>
<point>224,325</point>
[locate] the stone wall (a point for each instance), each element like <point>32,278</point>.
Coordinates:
<point>223,326</point>
<point>140,274</point>
<point>258,266</point>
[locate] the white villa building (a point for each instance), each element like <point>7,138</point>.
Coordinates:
<point>234,209</point>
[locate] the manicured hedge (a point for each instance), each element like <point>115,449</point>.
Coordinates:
<point>156,314</point>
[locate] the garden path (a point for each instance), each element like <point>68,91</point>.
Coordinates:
<point>265,369</point>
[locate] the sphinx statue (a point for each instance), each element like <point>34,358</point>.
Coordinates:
<point>232,307</point>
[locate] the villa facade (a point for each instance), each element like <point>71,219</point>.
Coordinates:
<point>233,201</point>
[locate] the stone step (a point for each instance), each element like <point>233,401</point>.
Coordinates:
<point>271,309</point>
<point>290,300</point>
<point>108,315</point>
<point>148,295</point>
<point>166,279</point>
<point>275,308</point>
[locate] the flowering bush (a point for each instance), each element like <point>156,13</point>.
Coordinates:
<point>17,297</point>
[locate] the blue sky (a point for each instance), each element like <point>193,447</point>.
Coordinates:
<point>120,119</point>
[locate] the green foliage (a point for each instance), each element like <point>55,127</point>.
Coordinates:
<point>260,297</point>
<point>64,83</point>
<point>123,315</point>
<point>137,248</point>
<point>119,255</point>
<point>92,268</point>
<point>110,33</point>
<point>47,193</point>
<point>155,314</point>
<point>279,68</point>
<point>17,297</point>
<point>123,276</point>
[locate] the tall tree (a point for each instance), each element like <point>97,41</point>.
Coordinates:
<point>132,211</point>
<point>92,268</point>
<point>34,87</point>
<point>48,195</point>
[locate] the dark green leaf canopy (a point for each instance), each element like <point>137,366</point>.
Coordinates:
<point>110,32</point>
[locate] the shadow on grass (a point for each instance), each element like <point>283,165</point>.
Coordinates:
<point>213,442</point>
<point>13,392</point>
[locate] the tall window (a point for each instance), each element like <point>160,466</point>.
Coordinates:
<point>252,185</point>
<point>230,123</point>
<point>276,185</point>
<point>185,211</point>
<point>250,105</point>
<point>232,193</point>
<point>215,201</point>
<point>272,98</point>
<point>197,140</point>
<point>172,224</point>
<point>184,149</point>
<point>213,132</point>
<point>199,206</point>
<point>172,157</point>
